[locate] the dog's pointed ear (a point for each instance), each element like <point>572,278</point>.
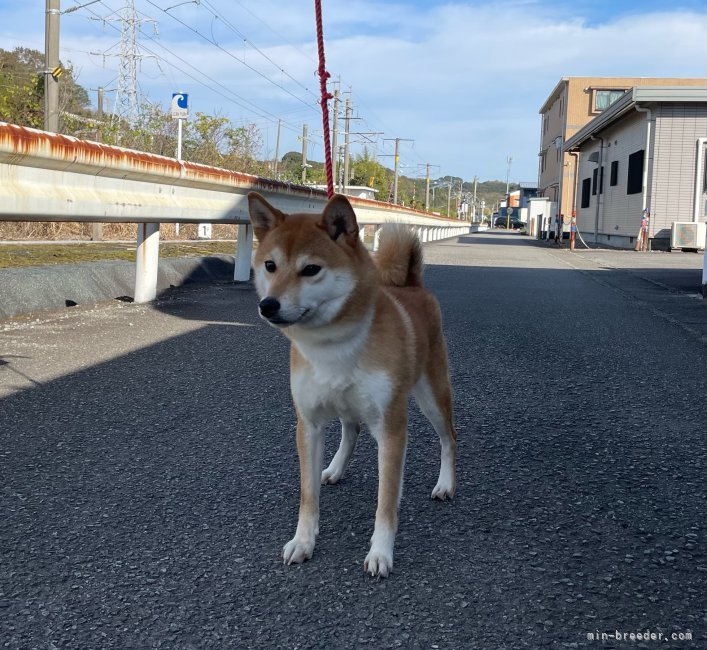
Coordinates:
<point>262,215</point>
<point>339,219</point>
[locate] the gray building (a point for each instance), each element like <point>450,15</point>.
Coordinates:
<point>646,152</point>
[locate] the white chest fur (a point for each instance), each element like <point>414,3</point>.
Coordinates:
<point>332,384</point>
<point>354,395</point>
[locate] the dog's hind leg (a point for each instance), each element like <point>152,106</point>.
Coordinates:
<point>342,458</point>
<point>434,397</point>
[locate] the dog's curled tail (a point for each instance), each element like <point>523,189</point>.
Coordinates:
<point>399,256</point>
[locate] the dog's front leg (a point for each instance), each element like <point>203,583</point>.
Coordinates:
<point>310,448</point>
<point>391,436</point>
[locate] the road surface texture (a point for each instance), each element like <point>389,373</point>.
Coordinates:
<point>150,479</point>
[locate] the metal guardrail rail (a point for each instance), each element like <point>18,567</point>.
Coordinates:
<point>52,177</point>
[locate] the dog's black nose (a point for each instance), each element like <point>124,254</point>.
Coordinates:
<point>269,307</point>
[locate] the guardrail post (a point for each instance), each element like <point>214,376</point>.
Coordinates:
<point>147,261</point>
<point>376,238</point>
<point>244,252</point>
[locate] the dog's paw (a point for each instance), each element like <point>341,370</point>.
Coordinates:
<point>297,551</point>
<point>332,474</point>
<point>378,563</point>
<point>443,490</point>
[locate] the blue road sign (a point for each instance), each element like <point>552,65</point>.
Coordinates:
<point>180,106</point>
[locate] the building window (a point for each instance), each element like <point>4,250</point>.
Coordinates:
<point>561,105</point>
<point>586,191</point>
<point>605,98</point>
<point>595,176</point>
<point>634,181</point>
<point>614,179</point>
<point>601,180</point>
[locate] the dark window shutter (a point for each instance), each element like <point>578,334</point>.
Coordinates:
<point>586,191</point>
<point>634,181</point>
<point>614,173</point>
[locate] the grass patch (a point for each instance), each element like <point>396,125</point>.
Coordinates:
<point>18,255</point>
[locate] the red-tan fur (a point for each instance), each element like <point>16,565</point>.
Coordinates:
<point>393,322</point>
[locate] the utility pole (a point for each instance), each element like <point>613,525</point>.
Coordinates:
<point>334,134</point>
<point>473,201</point>
<point>347,127</point>
<point>304,153</point>
<point>427,187</point>
<point>509,160</point>
<point>99,112</point>
<point>340,170</point>
<point>449,196</point>
<point>277,149</point>
<point>52,67</point>
<point>397,164</point>
<point>97,228</point>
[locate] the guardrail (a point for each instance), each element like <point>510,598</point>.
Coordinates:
<point>52,177</point>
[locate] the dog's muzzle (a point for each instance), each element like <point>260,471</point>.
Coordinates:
<point>269,307</point>
<point>270,310</point>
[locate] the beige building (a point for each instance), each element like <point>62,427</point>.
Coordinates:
<point>645,153</point>
<point>574,102</point>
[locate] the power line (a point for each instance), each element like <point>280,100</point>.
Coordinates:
<point>235,58</point>
<point>233,98</point>
<point>236,31</point>
<point>278,34</point>
<point>206,81</point>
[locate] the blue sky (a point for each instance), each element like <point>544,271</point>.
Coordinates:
<point>464,80</point>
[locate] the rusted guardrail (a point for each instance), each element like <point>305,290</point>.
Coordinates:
<point>52,177</point>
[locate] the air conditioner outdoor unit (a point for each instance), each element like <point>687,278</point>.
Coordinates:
<point>687,235</point>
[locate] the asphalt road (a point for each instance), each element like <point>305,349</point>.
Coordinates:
<point>148,471</point>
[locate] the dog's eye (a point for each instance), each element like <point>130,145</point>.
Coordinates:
<point>270,266</point>
<point>310,270</point>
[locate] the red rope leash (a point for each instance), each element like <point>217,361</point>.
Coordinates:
<point>323,76</point>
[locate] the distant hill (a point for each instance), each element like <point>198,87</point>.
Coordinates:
<point>411,191</point>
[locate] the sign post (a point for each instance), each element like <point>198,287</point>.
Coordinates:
<point>180,112</point>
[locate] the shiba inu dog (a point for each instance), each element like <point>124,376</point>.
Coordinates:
<point>364,335</point>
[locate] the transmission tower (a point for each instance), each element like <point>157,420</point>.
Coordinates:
<point>127,97</point>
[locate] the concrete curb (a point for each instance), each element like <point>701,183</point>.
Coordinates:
<point>38,288</point>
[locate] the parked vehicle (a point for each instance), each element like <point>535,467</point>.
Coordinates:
<point>515,223</point>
